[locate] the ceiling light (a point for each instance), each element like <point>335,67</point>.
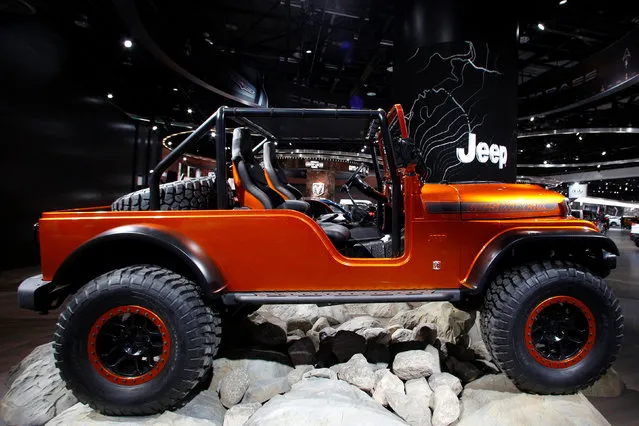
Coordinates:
<point>362,150</point>
<point>548,145</point>
<point>290,144</point>
<point>545,162</point>
<point>169,143</point>
<point>175,89</point>
<point>532,118</point>
<point>275,143</point>
<point>183,158</point>
<point>581,138</point>
<point>598,166</point>
<point>576,158</point>
<point>309,51</point>
<point>603,153</point>
<point>371,94</point>
<point>389,68</point>
<point>127,43</point>
<point>154,128</point>
<point>541,26</point>
<point>110,95</point>
<point>563,2</point>
<point>190,111</point>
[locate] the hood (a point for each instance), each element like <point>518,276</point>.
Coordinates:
<point>508,201</point>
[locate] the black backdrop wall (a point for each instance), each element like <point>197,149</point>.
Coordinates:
<point>62,144</point>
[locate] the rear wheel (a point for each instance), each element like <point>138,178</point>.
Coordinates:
<point>553,328</point>
<point>135,341</point>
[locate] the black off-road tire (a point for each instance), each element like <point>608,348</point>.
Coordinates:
<point>193,329</point>
<point>513,296</point>
<point>189,194</point>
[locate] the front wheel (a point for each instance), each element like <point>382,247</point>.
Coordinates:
<point>553,328</point>
<point>135,341</point>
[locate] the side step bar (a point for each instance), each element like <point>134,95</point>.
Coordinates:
<point>337,297</point>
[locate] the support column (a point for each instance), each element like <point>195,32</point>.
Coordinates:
<point>455,73</point>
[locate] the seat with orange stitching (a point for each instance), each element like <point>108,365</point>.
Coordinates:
<point>248,176</point>
<point>275,175</point>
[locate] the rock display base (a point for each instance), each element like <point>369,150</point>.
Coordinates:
<point>381,364</point>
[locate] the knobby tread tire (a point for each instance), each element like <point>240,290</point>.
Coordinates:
<point>502,308</point>
<point>198,326</point>
<point>189,194</point>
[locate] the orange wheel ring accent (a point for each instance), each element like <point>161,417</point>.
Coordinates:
<point>107,373</point>
<point>581,354</point>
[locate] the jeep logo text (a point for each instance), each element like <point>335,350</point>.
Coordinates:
<point>496,153</point>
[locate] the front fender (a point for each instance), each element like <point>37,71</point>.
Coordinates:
<point>497,250</point>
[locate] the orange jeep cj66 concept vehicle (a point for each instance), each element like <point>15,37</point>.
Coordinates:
<point>147,279</point>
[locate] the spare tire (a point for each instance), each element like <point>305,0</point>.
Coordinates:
<point>188,194</point>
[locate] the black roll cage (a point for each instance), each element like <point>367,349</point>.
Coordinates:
<point>243,115</point>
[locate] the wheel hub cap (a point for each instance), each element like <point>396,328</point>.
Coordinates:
<point>129,345</point>
<point>560,332</point>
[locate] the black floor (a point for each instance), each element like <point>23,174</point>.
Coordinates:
<point>22,330</point>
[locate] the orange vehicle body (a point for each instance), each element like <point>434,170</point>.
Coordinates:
<point>451,224</point>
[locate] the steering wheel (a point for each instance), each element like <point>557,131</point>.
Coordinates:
<point>357,179</point>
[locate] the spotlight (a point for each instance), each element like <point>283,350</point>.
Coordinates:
<point>190,111</point>
<point>598,166</point>
<point>532,118</point>
<point>603,153</point>
<point>548,145</point>
<point>127,43</point>
<point>154,128</point>
<point>541,26</point>
<point>545,162</point>
<point>309,51</point>
<point>175,89</point>
<point>110,95</point>
<point>371,94</point>
<point>169,143</point>
<point>581,138</point>
<point>183,158</point>
<point>562,2</point>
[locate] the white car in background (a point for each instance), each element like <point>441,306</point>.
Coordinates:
<point>614,221</point>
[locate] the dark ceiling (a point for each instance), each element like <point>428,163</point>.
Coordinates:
<point>329,51</point>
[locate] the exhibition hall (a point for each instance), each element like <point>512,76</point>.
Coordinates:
<point>319,212</point>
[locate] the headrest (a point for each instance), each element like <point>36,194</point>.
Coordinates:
<point>270,154</point>
<point>241,147</point>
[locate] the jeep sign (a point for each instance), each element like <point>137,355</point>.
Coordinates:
<point>497,154</point>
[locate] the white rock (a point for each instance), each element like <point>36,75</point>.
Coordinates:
<point>609,385</point>
<point>485,407</point>
<point>320,402</point>
<point>321,323</point>
<point>255,362</point>
<point>83,415</point>
<point>446,408</point>
<point>377,310</point>
<point>205,405</point>
<point>402,335</point>
<point>320,373</point>
<point>419,390</point>
<point>451,323</point>
<point>413,364</point>
<point>233,387</point>
<point>293,311</point>
<point>476,342</point>
<point>336,314</point>
<point>36,392</point>
<point>263,390</point>
<point>238,415</point>
<point>387,383</point>
<point>414,412</point>
<point>296,375</point>
<point>376,335</point>
<point>435,353</point>
<point>358,373</point>
<point>445,379</point>
<point>359,323</point>
<point>494,382</point>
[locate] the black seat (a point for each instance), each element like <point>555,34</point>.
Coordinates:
<point>276,174</point>
<point>249,177</point>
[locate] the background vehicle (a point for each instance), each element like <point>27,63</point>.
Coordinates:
<point>614,221</point>
<point>150,279</point>
<point>634,233</point>
<point>584,214</point>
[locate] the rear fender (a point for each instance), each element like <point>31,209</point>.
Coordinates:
<point>138,244</point>
<point>496,254</point>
